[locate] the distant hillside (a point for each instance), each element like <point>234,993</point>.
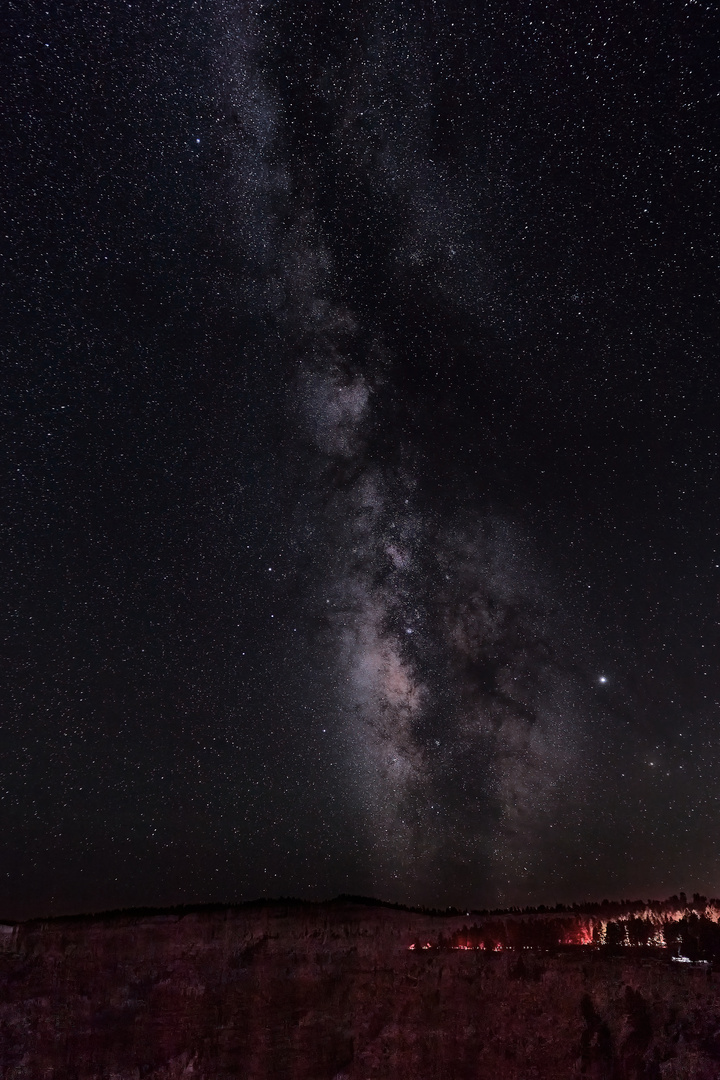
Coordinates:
<point>357,990</point>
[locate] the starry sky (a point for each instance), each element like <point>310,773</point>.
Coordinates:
<point>360,456</point>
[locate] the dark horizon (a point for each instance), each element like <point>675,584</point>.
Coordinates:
<point>677,901</point>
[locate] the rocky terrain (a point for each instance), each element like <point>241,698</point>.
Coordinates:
<point>336,992</point>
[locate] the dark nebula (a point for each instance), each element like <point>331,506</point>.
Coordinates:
<point>360,417</point>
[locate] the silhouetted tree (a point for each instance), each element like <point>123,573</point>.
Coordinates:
<point>615,934</point>
<point>639,931</point>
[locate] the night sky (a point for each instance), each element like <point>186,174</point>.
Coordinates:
<point>360,452</point>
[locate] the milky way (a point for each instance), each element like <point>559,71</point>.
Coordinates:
<point>456,681</point>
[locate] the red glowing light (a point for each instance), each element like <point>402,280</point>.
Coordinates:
<point>581,936</point>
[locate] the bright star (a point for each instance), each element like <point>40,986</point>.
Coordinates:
<point>603,679</point>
